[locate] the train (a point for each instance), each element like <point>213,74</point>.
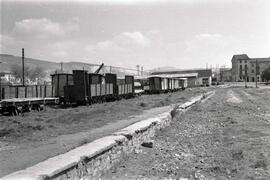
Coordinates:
<point>81,88</point>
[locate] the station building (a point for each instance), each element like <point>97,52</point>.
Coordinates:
<point>245,68</point>
<point>195,77</point>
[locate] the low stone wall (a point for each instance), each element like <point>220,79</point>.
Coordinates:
<point>91,160</point>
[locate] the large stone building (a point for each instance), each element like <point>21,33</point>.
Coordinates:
<point>245,68</point>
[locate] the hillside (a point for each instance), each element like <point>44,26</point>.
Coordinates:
<point>48,66</point>
<point>166,68</point>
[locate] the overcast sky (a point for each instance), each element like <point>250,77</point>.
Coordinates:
<point>153,33</point>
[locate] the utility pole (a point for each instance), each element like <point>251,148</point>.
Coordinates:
<point>245,76</point>
<point>245,81</point>
<point>84,84</point>
<point>256,72</point>
<point>23,67</point>
<point>61,63</point>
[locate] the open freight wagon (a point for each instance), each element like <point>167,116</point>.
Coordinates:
<point>18,99</point>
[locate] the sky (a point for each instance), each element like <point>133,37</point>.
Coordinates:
<point>151,33</point>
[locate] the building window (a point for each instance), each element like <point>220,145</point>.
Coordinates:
<point>245,61</point>
<point>252,71</point>
<point>240,61</point>
<point>252,65</point>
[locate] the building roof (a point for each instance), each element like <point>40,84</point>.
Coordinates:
<point>178,75</point>
<point>200,72</point>
<point>225,69</point>
<point>260,59</point>
<point>240,57</point>
<point>245,57</point>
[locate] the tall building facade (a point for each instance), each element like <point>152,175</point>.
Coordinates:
<point>248,69</point>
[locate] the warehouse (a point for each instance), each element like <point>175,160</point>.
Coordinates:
<point>195,77</point>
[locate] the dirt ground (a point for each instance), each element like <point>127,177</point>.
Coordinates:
<point>225,137</point>
<point>36,136</point>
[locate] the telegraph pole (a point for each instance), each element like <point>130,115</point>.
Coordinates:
<point>23,67</point>
<point>256,72</point>
<point>61,63</point>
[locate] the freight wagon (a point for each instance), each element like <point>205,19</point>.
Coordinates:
<point>19,99</point>
<point>159,84</point>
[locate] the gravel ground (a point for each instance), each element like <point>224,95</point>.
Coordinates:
<point>225,137</point>
<point>36,136</point>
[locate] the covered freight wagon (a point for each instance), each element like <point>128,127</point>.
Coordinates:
<point>59,81</point>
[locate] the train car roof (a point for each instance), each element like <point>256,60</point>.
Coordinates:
<point>55,74</point>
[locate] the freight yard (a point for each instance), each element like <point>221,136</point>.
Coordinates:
<point>134,89</point>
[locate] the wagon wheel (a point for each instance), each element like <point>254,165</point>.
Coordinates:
<point>27,109</point>
<point>38,108</point>
<point>13,111</point>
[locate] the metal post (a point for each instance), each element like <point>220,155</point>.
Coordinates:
<point>23,67</point>
<point>84,84</point>
<point>245,81</point>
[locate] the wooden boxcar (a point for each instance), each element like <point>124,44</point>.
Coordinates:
<point>59,81</point>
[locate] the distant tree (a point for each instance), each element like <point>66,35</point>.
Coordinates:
<point>16,70</point>
<point>266,75</point>
<point>32,75</point>
<point>37,74</point>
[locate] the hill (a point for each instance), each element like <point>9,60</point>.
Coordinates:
<point>50,67</point>
<point>166,68</point>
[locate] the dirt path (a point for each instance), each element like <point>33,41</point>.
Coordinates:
<point>226,137</point>
<point>27,140</point>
